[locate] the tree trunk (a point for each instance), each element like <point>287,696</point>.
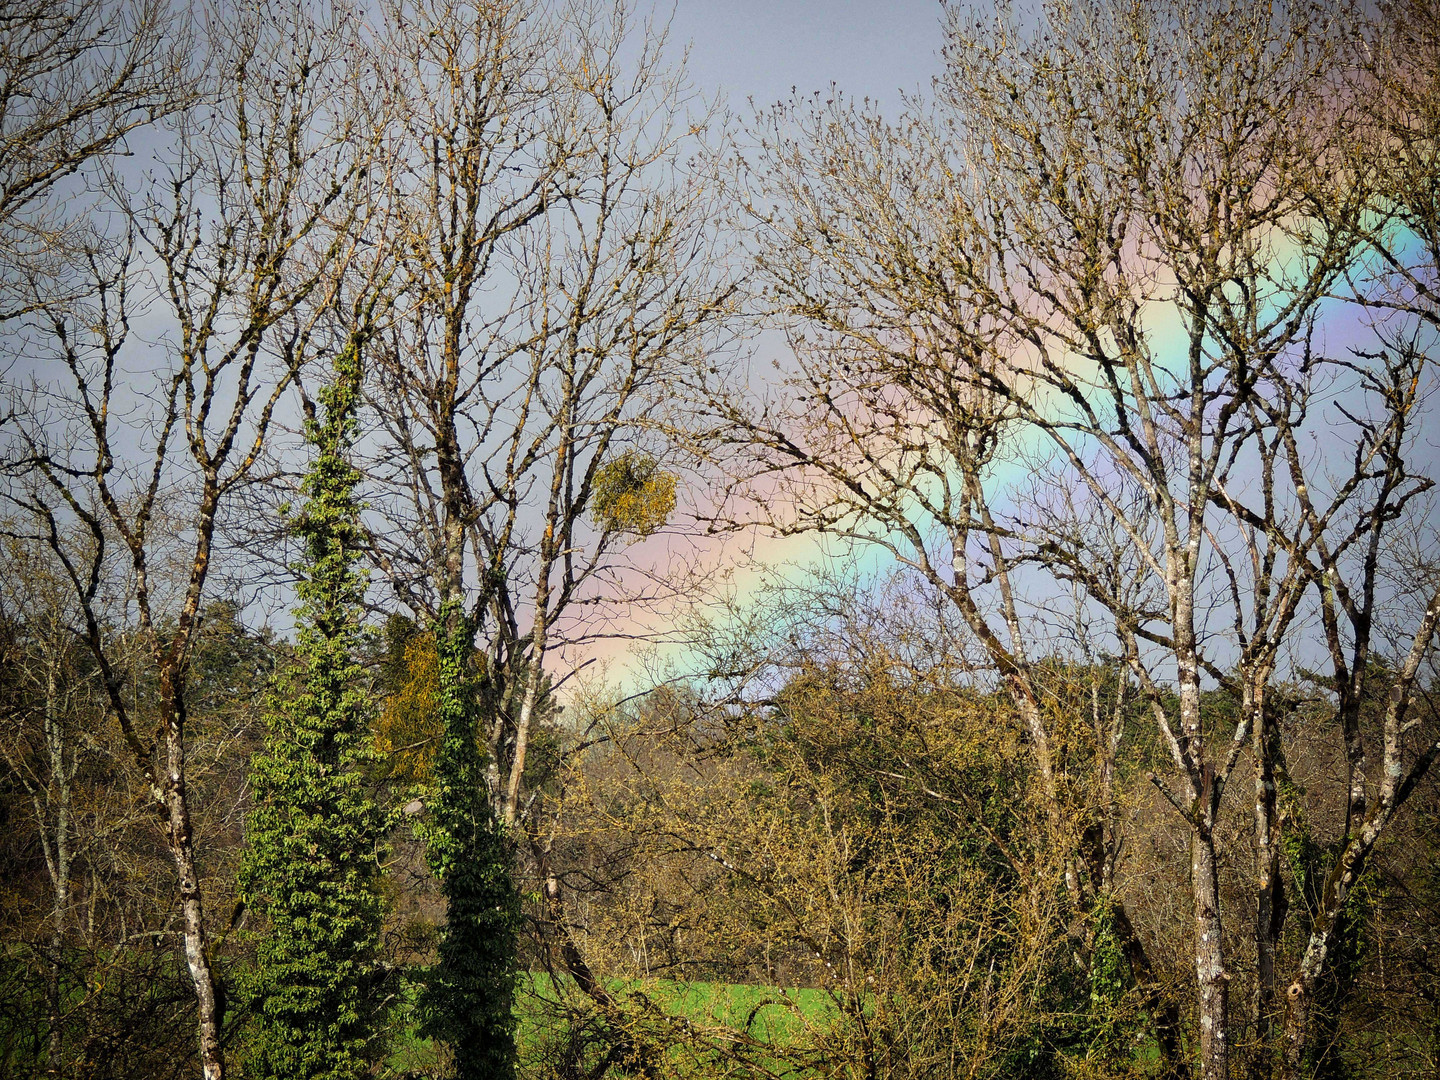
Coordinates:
<point>1212,983</point>
<point>1210,977</point>
<point>182,850</point>
<point>632,1053</point>
<point>1096,847</point>
<point>535,676</point>
<point>55,740</point>
<point>522,729</point>
<point>1270,903</point>
<point>1300,995</point>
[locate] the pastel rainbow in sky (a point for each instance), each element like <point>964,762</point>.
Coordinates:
<point>746,49</point>
<point>733,570</point>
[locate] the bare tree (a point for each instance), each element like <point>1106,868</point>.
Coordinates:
<point>37,609</point>
<point>76,78</point>
<point>1057,337</point>
<point>1379,592</point>
<point>557,270</point>
<point>137,439</point>
<point>558,273</point>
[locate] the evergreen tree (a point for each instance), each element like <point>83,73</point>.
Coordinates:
<point>469,994</point>
<point>313,870</point>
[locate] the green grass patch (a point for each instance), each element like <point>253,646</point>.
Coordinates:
<point>698,1028</point>
<point>770,1013</point>
<point>709,1011</point>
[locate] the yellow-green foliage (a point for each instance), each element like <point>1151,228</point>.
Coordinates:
<point>408,728</point>
<point>632,495</point>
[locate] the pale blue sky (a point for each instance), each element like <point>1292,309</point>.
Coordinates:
<point>760,49</point>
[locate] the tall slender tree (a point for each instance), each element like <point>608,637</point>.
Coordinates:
<point>557,270</point>
<point>313,870</point>
<point>468,994</point>
<point>246,221</point>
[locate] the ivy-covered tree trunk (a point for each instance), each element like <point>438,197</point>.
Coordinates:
<point>313,871</point>
<point>468,1000</point>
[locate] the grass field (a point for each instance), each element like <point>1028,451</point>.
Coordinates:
<point>766,1014</point>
